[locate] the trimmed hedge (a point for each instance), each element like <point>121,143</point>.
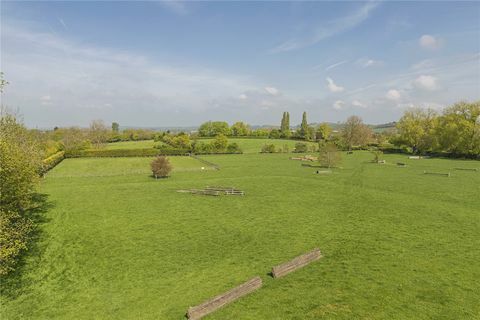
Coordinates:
<point>149,152</point>
<point>50,162</point>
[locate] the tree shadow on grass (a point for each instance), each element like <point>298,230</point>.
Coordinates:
<point>14,283</point>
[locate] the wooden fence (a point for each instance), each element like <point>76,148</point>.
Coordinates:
<point>297,263</point>
<point>219,301</point>
<point>437,173</point>
<point>467,169</point>
<point>227,190</point>
<point>215,191</point>
<point>201,192</point>
<point>208,163</point>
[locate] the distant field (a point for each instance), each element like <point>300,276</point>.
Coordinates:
<point>99,167</point>
<point>131,144</point>
<point>255,145</point>
<point>247,145</point>
<point>118,244</point>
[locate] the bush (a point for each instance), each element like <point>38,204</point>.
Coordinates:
<point>14,231</point>
<point>301,147</point>
<point>376,155</point>
<point>161,167</point>
<point>220,143</point>
<point>268,148</point>
<point>211,148</point>
<point>234,148</point>
<point>52,161</point>
<point>329,156</point>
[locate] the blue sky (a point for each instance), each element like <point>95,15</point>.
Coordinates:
<point>181,63</point>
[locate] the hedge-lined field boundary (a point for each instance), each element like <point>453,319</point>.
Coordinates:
<point>50,162</point>
<point>147,152</point>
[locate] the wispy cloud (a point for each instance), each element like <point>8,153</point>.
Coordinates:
<point>332,28</point>
<point>430,42</point>
<point>71,77</point>
<point>176,6</point>
<point>63,23</point>
<point>272,91</point>
<point>335,65</point>
<point>333,87</point>
<point>367,63</point>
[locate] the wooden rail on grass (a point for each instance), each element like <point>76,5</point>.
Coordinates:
<point>437,173</point>
<point>227,190</point>
<point>297,263</point>
<point>323,172</point>
<point>211,164</point>
<point>219,301</point>
<point>467,169</point>
<point>201,192</point>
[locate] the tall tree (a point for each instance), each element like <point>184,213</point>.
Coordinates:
<point>355,132</point>
<point>240,129</point>
<point>98,133</point>
<point>282,124</point>
<point>458,128</point>
<point>416,129</point>
<point>213,128</point>
<point>324,131</point>
<point>285,125</point>
<point>115,126</point>
<point>304,126</point>
<point>3,82</point>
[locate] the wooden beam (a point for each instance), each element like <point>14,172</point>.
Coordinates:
<point>219,301</point>
<point>297,263</point>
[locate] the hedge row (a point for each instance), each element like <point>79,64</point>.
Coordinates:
<point>149,152</point>
<point>52,161</point>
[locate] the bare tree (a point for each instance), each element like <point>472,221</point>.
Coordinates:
<point>355,132</point>
<point>98,133</point>
<point>161,167</point>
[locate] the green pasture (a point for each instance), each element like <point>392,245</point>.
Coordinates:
<point>115,243</point>
<point>255,145</point>
<point>143,144</point>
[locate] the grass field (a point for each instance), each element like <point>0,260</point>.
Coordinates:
<point>117,244</point>
<point>247,145</point>
<point>255,145</point>
<point>131,145</point>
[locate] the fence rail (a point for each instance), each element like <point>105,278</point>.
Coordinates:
<point>219,301</point>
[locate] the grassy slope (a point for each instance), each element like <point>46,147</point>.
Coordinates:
<point>398,244</point>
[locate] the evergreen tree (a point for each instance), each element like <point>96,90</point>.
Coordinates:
<point>282,124</point>
<point>304,126</point>
<point>285,125</point>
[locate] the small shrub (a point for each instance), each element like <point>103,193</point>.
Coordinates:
<point>376,155</point>
<point>220,143</point>
<point>234,148</point>
<point>329,156</point>
<point>301,147</point>
<point>268,148</point>
<point>161,167</point>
